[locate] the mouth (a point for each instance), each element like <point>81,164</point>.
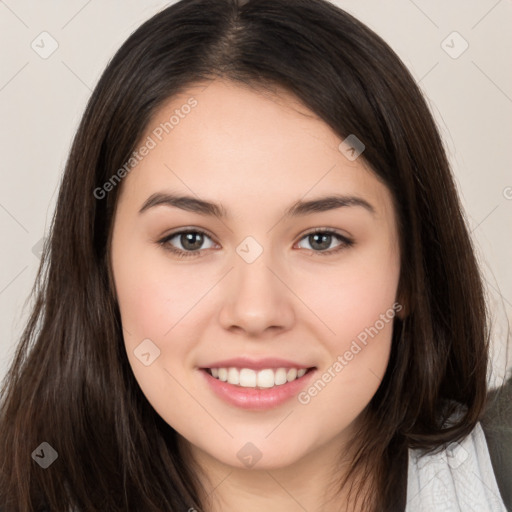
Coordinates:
<point>266,378</point>
<point>257,389</point>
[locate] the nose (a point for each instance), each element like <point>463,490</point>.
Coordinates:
<point>257,299</point>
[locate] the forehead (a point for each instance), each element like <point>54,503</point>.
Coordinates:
<point>237,144</point>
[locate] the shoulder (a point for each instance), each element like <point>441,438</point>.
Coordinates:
<point>457,476</point>
<point>497,426</point>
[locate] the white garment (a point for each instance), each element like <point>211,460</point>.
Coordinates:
<point>460,478</point>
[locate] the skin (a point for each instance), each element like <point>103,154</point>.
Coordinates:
<point>256,154</point>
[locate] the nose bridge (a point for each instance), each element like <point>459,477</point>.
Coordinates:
<point>255,277</point>
<point>256,298</point>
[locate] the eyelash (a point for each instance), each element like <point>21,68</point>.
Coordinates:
<point>345,242</point>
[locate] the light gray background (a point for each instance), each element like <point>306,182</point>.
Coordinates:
<point>42,100</point>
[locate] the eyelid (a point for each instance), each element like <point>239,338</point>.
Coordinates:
<point>187,229</point>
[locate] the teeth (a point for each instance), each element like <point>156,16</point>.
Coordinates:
<point>265,379</point>
<point>291,375</point>
<point>248,378</point>
<point>234,376</point>
<point>280,377</point>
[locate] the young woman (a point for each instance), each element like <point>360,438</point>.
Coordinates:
<point>259,291</point>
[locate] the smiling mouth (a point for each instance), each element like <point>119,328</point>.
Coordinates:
<point>257,379</point>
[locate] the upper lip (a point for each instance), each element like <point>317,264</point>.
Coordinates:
<point>256,364</point>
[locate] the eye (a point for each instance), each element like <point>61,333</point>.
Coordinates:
<point>321,239</point>
<point>191,242</point>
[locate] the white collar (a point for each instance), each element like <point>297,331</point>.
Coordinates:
<point>459,478</point>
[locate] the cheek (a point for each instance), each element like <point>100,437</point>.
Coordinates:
<point>163,302</point>
<point>155,296</point>
<point>157,304</point>
<point>351,297</point>
<point>357,300</point>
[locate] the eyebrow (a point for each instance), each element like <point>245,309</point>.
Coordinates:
<point>299,208</point>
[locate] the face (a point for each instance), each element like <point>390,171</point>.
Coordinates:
<point>255,277</point>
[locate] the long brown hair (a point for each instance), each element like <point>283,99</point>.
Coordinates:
<point>70,384</point>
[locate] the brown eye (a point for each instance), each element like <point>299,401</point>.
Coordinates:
<point>321,240</point>
<point>189,242</point>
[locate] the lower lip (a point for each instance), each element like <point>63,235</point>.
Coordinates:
<point>257,399</point>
